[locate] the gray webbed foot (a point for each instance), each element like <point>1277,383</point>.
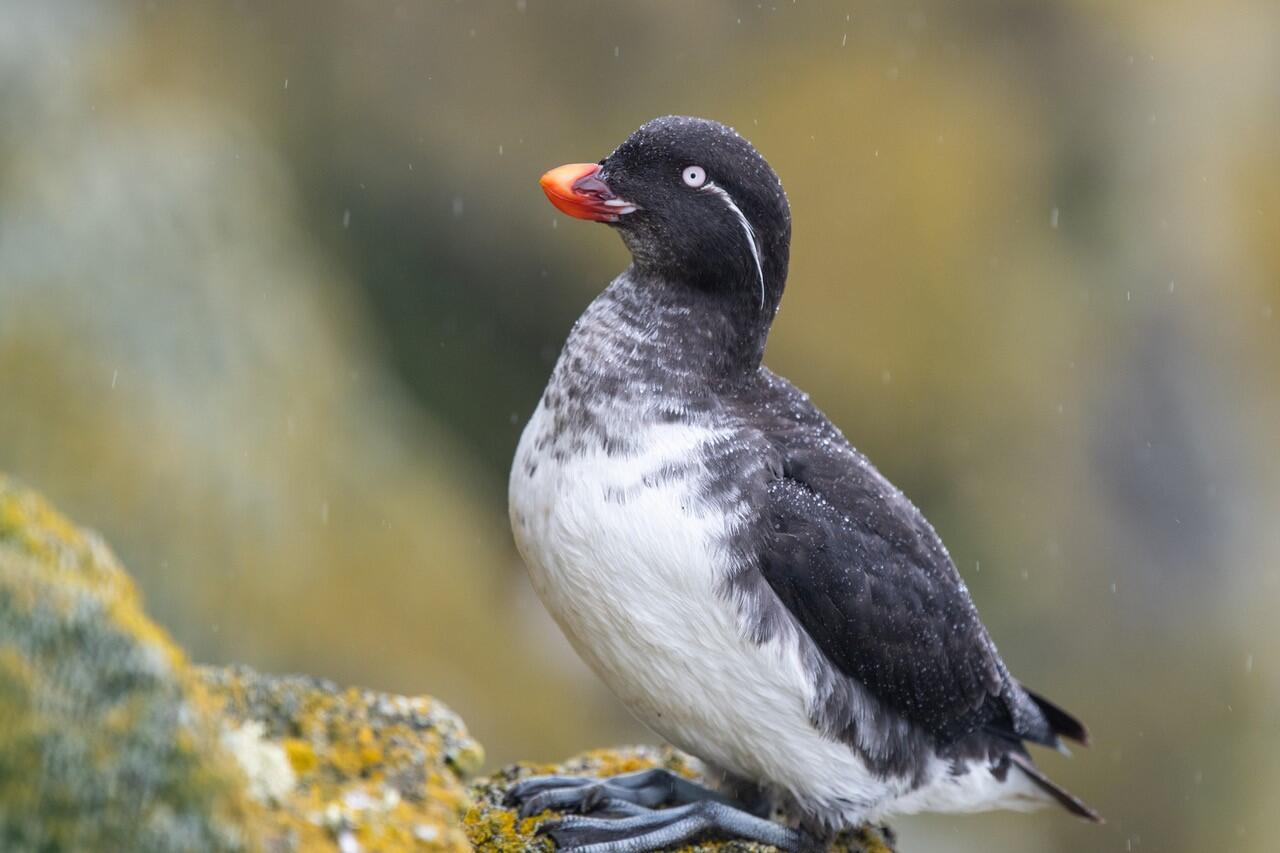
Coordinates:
<point>629,794</point>
<point>658,829</point>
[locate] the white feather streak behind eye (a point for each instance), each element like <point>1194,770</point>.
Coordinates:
<point>746,228</point>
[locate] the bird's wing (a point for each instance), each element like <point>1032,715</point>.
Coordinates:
<point>869,580</point>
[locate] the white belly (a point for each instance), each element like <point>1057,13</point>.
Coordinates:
<point>628,565</point>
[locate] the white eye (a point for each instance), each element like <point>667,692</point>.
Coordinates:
<point>694,176</point>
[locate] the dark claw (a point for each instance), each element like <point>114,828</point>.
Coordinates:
<point>594,799</point>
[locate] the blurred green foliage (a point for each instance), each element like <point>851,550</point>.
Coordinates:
<point>278,290</point>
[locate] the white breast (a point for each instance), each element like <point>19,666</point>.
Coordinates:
<point>628,563</point>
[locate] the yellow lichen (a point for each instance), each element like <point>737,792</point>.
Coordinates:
<point>302,757</point>
<point>468,760</point>
<point>354,758</point>
<point>35,525</point>
<point>498,830</point>
<point>370,754</point>
<point>612,763</point>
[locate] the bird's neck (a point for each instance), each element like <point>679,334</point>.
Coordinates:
<point>671,336</point>
<point>646,351</point>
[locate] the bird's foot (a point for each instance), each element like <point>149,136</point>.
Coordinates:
<point>673,827</point>
<point>628,818</point>
<point>627,794</point>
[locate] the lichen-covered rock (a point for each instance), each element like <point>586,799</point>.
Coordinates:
<point>367,770</point>
<point>101,745</point>
<point>111,740</point>
<point>492,826</point>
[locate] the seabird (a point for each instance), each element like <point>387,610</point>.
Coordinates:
<point>741,577</point>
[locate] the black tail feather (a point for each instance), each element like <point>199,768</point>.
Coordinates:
<point>1060,721</point>
<point>1065,798</point>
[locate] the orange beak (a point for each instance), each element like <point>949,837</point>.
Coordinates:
<point>574,189</point>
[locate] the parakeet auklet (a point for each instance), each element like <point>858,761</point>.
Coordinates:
<point>739,575</point>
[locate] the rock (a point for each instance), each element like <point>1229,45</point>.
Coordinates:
<point>111,740</point>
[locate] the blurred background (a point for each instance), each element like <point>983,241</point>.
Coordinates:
<point>278,291</point>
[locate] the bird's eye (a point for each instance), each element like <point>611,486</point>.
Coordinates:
<point>694,176</point>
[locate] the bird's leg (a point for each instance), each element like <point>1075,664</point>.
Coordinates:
<point>628,794</point>
<point>673,827</point>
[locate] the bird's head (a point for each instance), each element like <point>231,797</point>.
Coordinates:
<point>695,203</point>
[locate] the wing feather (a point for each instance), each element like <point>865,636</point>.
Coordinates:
<point>870,581</point>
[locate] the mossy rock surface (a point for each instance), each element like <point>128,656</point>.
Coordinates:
<point>492,826</point>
